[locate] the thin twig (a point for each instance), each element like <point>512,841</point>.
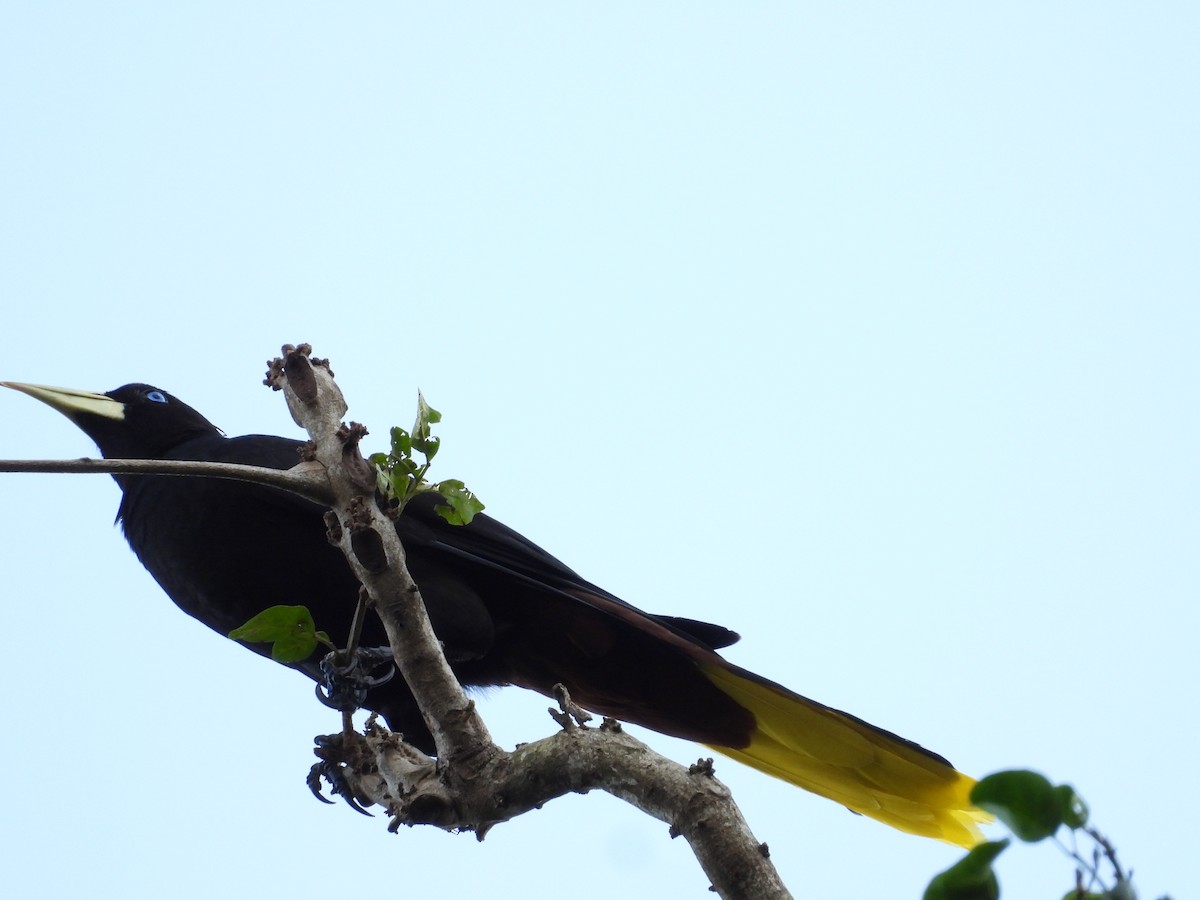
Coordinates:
<point>304,479</point>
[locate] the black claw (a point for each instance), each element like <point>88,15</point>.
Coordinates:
<point>348,795</point>
<point>314,782</point>
<point>333,770</point>
<point>344,686</point>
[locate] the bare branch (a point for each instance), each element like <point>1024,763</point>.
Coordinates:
<point>694,804</point>
<point>305,478</point>
<point>474,784</point>
<point>373,548</point>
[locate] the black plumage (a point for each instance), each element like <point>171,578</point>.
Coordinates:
<point>506,611</point>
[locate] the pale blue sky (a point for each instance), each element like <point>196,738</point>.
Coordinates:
<point>866,330</point>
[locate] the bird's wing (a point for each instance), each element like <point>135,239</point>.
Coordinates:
<point>487,543</point>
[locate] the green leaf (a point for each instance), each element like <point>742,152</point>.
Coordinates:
<point>401,442</point>
<point>1074,810</point>
<point>398,481</point>
<point>971,878</point>
<point>1025,801</point>
<point>426,416</point>
<point>461,505</point>
<point>289,629</point>
<point>399,476</point>
<point>427,446</point>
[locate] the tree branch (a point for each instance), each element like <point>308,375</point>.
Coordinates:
<point>306,479</point>
<point>474,784</point>
<point>369,540</point>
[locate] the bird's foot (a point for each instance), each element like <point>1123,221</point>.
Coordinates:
<point>346,682</point>
<point>334,768</point>
<point>572,715</point>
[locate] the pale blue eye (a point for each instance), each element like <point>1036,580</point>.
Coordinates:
<point>156,397</point>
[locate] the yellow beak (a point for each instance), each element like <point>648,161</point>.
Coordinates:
<point>69,401</point>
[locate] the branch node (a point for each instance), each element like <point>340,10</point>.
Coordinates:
<point>274,377</point>
<point>361,472</point>
<point>333,528</point>
<point>360,513</point>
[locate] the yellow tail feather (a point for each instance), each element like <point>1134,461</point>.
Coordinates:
<point>837,756</point>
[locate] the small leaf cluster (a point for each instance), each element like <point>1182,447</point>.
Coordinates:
<point>399,477</point>
<point>1034,809</point>
<point>289,630</point>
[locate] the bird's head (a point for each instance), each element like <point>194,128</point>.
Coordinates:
<point>137,421</point>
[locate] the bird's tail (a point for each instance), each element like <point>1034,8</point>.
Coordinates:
<point>865,768</point>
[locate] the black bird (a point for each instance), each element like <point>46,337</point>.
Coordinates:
<point>506,611</point>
